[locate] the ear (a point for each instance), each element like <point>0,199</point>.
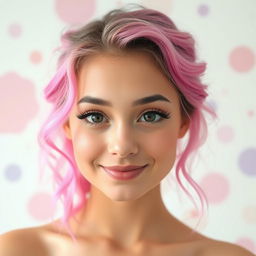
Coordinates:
<point>184,127</point>
<point>66,129</point>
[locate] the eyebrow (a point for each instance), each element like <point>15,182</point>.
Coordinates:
<point>145,100</point>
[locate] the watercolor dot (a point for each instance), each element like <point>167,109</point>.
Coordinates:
<point>249,214</point>
<point>247,161</point>
<point>15,30</point>
<point>119,3</point>
<point>16,91</point>
<point>225,134</point>
<point>191,218</point>
<point>251,113</point>
<point>247,243</point>
<point>12,172</point>
<point>203,10</point>
<point>193,213</point>
<point>209,184</point>
<point>40,206</point>
<point>212,104</point>
<point>242,59</point>
<point>75,11</point>
<point>35,57</point>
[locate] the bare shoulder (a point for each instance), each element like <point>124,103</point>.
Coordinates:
<point>222,248</point>
<point>22,242</point>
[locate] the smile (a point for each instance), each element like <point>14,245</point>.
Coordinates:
<point>121,174</point>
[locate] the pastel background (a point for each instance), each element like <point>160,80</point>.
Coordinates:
<point>225,32</point>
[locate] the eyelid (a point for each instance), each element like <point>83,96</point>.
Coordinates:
<point>162,113</point>
<point>155,110</point>
<point>88,112</point>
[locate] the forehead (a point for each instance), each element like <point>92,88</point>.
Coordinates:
<point>127,75</point>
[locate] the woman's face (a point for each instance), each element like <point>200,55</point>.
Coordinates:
<point>126,130</point>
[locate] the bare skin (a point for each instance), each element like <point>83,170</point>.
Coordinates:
<point>122,217</point>
<point>47,240</point>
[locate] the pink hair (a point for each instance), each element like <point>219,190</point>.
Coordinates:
<point>120,30</point>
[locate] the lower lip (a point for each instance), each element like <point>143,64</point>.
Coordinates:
<point>127,175</point>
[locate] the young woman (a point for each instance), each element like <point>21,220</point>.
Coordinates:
<point>126,92</point>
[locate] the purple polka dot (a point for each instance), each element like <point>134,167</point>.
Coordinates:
<point>203,10</point>
<point>12,172</point>
<point>212,104</point>
<point>247,161</point>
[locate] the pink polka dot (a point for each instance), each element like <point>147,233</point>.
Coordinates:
<point>35,57</point>
<point>242,59</point>
<point>18,103</point>
<point>216,187</point>
<point>193,213</point>
<point>191,218</point>
<point>251,113</point>
<point>247,243</point>
<point>249,214</point>
<point>119,3</point>
<point>225,134</point>
<point>15,30</point>
<point>75,11</point>
<point>40,206</point>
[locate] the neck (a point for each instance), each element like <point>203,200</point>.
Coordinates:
<point>124,222</point>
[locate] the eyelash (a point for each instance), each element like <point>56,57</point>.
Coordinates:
<point>161,113</point>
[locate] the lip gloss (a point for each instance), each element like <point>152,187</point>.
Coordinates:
<point>124,175</point>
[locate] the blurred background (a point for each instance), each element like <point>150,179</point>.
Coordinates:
<point>225,34</point>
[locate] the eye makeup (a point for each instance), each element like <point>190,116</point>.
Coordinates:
<point>89,114</point>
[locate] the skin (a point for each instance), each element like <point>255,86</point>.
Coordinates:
<point>122,217</point>
<point>125,212</point>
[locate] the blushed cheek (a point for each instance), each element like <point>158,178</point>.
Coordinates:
<point>87,148</point>
<point>162,147</point>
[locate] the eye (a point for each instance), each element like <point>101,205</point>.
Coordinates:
<point>92,117</point>
<point>155,115</point>
<point>95,117</point>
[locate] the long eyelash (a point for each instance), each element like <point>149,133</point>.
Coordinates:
<point>86,113</point>
<point>162,113</point>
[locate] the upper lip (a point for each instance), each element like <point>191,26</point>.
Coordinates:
<point>123,168</point>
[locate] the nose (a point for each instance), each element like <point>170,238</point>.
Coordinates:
<point>122,141</point>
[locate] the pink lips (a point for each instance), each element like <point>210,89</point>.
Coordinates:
<point>123,172</point>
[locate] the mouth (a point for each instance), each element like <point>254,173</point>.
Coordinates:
<point>124,173</point>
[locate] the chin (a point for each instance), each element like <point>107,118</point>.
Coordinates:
<point>123,196</point>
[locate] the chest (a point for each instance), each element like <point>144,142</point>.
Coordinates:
<point>99,249</point>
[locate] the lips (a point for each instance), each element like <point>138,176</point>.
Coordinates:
<point>120,168</point>
<point>124,172</point>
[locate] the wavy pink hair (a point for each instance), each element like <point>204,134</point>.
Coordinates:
<point>122,30</point>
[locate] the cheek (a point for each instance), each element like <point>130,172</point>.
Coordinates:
<point>162,146</point>
<point>86,147</point>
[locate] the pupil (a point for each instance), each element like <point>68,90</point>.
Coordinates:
<point>96,118</point>
<point>151,116</point>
